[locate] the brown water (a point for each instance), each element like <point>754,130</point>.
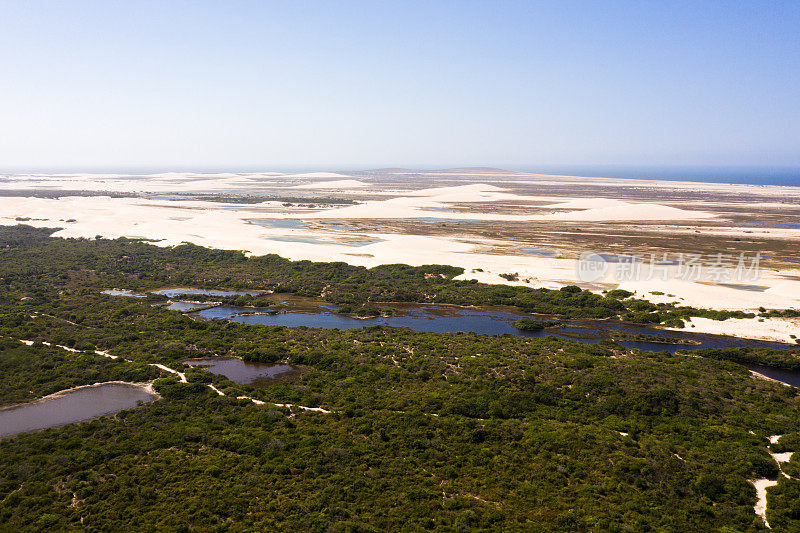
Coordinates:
<point>73,406</point>
<point>244,372</point>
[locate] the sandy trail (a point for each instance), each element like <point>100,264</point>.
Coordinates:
<point>762,485</point>
<point>181,375</point>
<point>149,386</point>
<point>146,386</point>
<point>760,507</point>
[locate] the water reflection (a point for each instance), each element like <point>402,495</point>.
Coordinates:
<point>72,406</point>
<point>185,307</point>
<point>786,376</point>
<point>445,319</point>
<point>180,291</point>
<point>244,372</point>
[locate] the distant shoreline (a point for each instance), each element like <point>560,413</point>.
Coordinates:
<point>784,175</point>
<point>740,175</point>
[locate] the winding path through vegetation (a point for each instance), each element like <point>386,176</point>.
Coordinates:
<point>182,378</point>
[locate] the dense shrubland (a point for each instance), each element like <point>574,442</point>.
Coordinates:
<point>29,372</point>
<point>431,431</point>
<point>137,265</point>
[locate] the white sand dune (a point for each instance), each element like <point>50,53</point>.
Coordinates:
<point>214,225</point>
<point>587,203</point>
<point>771,329</point>
<point>317,175</point>
<point>467,191</point>
<point>127,183</point>
<point>629,211</point>
<point>434,203</point>
<point>337,184</point>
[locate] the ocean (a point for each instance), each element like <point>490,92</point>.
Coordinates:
<point>707,174</point>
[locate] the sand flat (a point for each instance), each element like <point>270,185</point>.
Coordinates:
<point>435,224</point>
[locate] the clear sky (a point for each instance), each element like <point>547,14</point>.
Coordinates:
<point>345,84</point>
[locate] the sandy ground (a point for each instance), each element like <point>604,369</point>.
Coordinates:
<point>171,181</point>
<point>773,329</point>
<point>228,227</point>
<point>762,485</point>
<point>146,386</point>
<point>760,507</point>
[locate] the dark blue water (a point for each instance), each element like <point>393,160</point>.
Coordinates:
<point>785,376</point>
<point>425,318</point>
<point>706,174</point>
<point>441,319</point>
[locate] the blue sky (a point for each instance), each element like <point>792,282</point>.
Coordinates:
<point>345,84</point>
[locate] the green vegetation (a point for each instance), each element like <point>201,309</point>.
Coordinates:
<point>139,266</point>
<point>783,313</point>
<point>786,359</point>
<point>619,294</point>
<point>30,372</point>
<point>364,310</point>
<point>621,335</point>
<point>428,431</point>
<point>529,324</point>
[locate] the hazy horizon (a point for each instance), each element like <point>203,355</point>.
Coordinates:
<point>274,84</point>
<point>759,175</point>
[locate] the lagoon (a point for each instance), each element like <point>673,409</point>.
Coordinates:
<point>450,319</point>
<point>181,291</point>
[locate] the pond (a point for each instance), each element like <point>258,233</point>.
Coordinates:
<point>75,405</point>
<point>309,239</point>
<point>782,225</point>
<point>244,372</point>
<point>738,286</point>
<point>613,258</point>
<point>786,376</point>
<point>185,307</point>
<point>181,291</point>
<point>446,319</point>
<point>304,239</point>
<point>538,251</point>
<point>279,223</point>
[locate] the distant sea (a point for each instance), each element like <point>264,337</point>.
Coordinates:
<point>708,174</point>
<point>705,174</point>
